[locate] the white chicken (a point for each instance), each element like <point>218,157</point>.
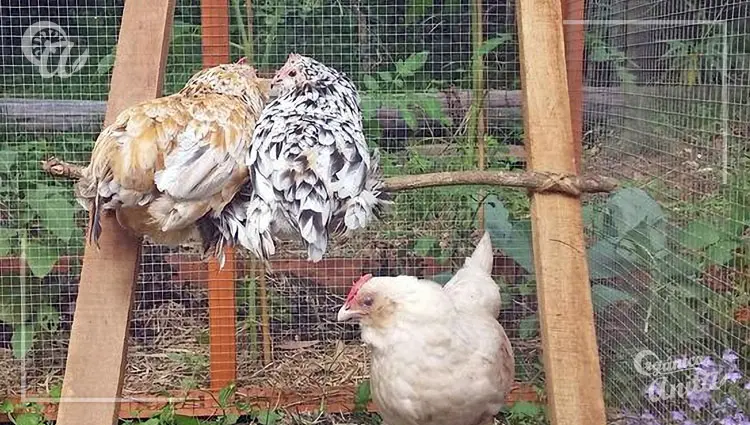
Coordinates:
<point>435,359</point>
<point>311,172</point>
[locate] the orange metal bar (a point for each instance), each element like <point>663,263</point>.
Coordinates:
<point>573,11</point>
<point>221,297</point>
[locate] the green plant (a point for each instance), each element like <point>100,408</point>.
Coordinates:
<point>525,413</point>
<point>23,413</point>
<point>389,89</point>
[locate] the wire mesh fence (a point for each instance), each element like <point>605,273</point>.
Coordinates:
<point>417,76</point>
<point>666,113</point>
<point>666,89</point>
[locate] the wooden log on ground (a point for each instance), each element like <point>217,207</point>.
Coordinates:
<point>503,109</point>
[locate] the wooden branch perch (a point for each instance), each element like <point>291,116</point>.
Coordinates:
<point>534,181</point>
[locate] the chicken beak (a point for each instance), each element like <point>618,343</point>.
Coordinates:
<point>346,314</point>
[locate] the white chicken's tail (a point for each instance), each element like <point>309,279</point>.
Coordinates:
<point>482,257</point>
<point>472,288</point>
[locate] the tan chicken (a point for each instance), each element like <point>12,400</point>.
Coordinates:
<point>434,362</point>
<point>167,166</point>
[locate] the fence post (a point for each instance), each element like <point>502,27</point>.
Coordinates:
<point>575,32</point>
<point>571,359</point>
<point>221,296</point>
<point>95,366</point>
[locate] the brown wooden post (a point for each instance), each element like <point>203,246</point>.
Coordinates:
<point>571,359</point>
<point>96,361</point>
<point>221,296</point>
<point>573,13</point>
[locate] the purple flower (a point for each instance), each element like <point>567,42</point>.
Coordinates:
<point>698,399</point>
<point>681,363</point>
<point>738,418</point>
<point>655,390</point>
<point>733,376</point>
<point>680,417</point>
<point>648,419</point>
<point>707,364</point>
<point>730,357</point>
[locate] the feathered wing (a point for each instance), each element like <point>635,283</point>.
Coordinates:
<point>166,163</point>
<point>311,171</point>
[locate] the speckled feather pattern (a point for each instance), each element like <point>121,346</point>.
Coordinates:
<point>311,172</point>
<point>168,163</point>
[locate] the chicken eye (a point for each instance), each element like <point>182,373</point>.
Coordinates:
<point>292,73</point>
<point>367,302</point>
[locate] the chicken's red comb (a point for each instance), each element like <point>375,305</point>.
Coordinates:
<point>356,286</point>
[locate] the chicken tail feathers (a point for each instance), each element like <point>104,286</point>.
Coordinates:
<point>482,257</point>
<point>95,230</point>
<point>372,202</point>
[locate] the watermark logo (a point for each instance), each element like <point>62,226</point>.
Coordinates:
<point>693,377</point>
<point>47,46</point>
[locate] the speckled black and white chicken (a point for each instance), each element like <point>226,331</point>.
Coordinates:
<point>311,172</point>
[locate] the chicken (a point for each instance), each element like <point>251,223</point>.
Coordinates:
<point>168,165</point>
<point>472,287</point>
<point>312,175</point>
<point>434,361</point>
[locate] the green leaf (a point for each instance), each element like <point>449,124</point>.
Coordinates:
<point>226,394</point>
<point>629,207</point>
<point>412,64</point>
<point>685,316</point>
<point>48,318</point>
<point>415,9</point>
<point>7,237</point>
<point>8,157</point>
<point>230,419</point>
<point>514,239</point>
<point>178,420</point>
<point>29,419</point>
<point>7,407</point>
<point>605,296</point>
<point>608,259</point>
<point>41,258</point>
<point>157,421</point>
<point>423,246</point>
<point>525,409</point>
<point>408,116</point>
<point>267,417</point>
<point>370,83</point>
<point>55,212</point>
<point>362,396</point>
<point>432,107</point>
<point>722,252</point>
<point>55,391</point>
<point>699,234</point>
<point>369,105</point>
<point>105,64</point>
<point>442,278</point>
<point>491,44</point>
<point>385,76</point>
<point>22,340</point>
<point>528,326</point>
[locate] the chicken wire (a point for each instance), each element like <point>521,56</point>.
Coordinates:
<point>412,62</point>
<point>666,112</point>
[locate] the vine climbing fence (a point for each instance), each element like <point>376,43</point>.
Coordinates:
<point>664,110</point>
